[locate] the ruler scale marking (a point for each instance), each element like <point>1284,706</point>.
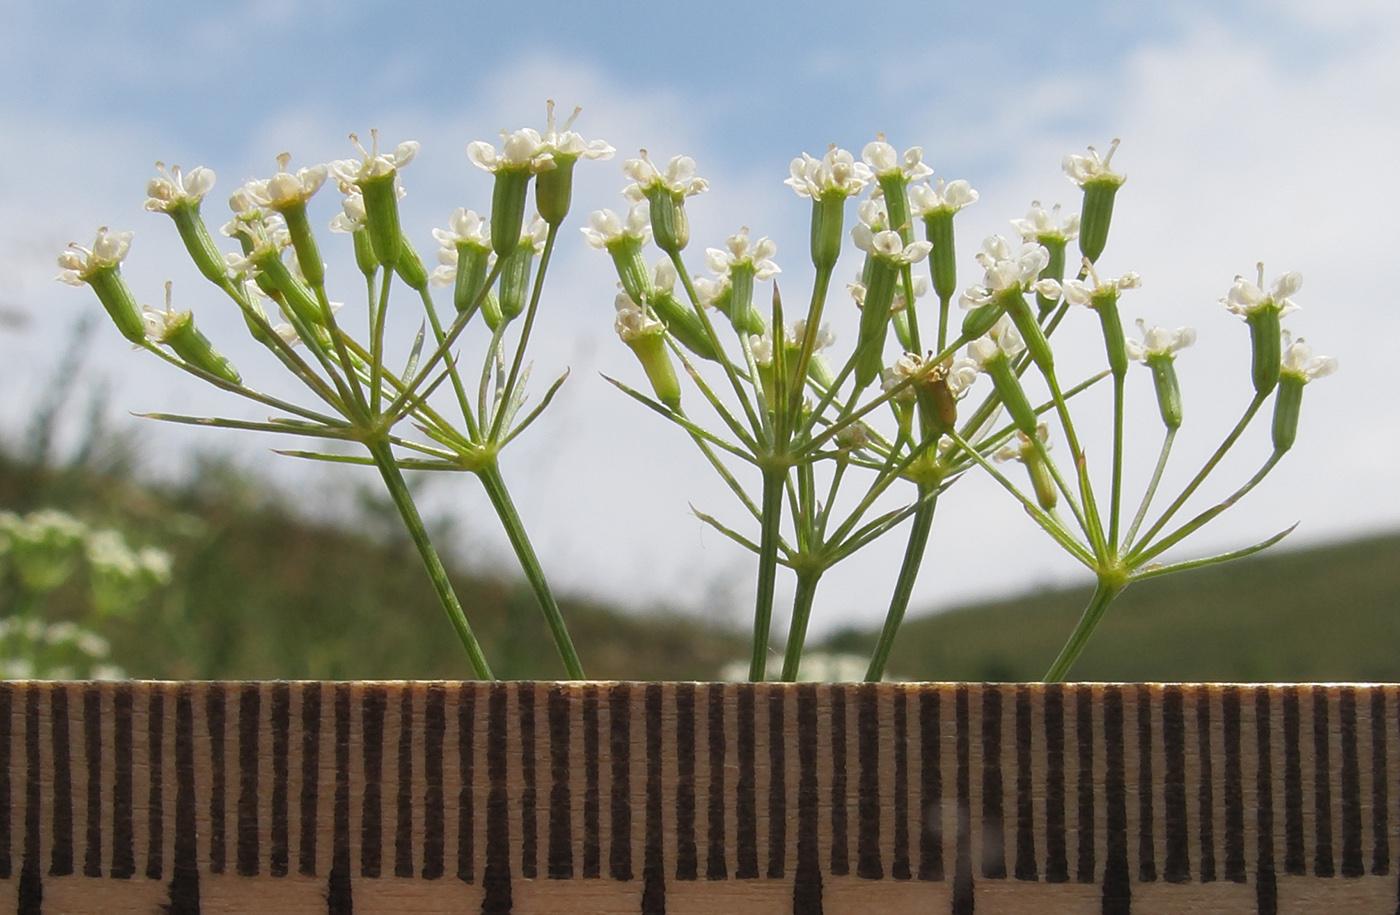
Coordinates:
<point>1284,779</point>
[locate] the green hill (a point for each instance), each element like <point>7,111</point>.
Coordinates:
<point>1327,613</point>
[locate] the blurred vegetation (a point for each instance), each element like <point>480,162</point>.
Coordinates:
<point>258,591</point>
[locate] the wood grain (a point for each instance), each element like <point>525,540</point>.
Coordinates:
<point>714,799</point>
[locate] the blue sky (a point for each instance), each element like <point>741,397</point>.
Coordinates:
<point>1250,131</point>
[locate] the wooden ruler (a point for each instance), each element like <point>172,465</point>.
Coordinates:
<point>526,798</point>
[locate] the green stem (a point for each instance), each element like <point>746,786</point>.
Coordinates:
<point>801,613</point>
<point>496,426</point>
<point>462,401</point>
<point>1104,594</point>
<point>1215,458</point>
<point>403,500</point>
<point>904,586</point>
<point>773,485</point>
<point>505,509</point>
<point>1148,554</point>
<point>1116,496</point>
<point>1151,489</point>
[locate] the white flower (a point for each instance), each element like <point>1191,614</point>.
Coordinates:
<point>108,551</point>
<point>285,189</point>
<point>1158,341</point>
<point>155,563</point>
<point>1021,446</point>
<point>563,143</point>
<point>106,672</point>
<point>1078,292</point>
<point>161,324</point>
<point>758,255</point>
<point>884,160</point>
<point>632,322</point>
<point>1299,361</point>
<point>1088,169</point>
<point>171,189</point>
<point>1040,223</point>
<point>1002,340</point>
<point>870,236</point>
<point>523,150</point>
<point>837,172</point>
<point>1006,270</point>
<point>709,291</point>
<point>351,218</point>
<point>288,332</point>
<point>79,264</point>
<point>373,163</point>
<point>606,228</point>
<point>924,199</point>
<point>678,179</point>
<point>1245,298</point>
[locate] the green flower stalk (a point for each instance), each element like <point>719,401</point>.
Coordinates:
<point>464,258</point>
<point>887,257</point>
<point>376,177</point>
<point>176,330</point>
<point>646,337</point>
<point>624,240</point>
<point>1262,312</point>
<point>937,205</point>
<point>554,187</point>
<point>1032,453</point>
<point>515,269</point>
<point>179,195</point>
<point>1298,369</point>
<point>665,193</point>
<point>100,268</point>
<point>1157,351</point>
<point>1100,185</point>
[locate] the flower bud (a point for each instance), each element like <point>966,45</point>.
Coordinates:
<point>1012,395</point>
<point>410,266</point>
<point>938,229</point>
<point>1265,339</point>
<point>199,243</point>
<point>473,264</point>
<point>364,252</point>
<point>979,320</point>
<point>116,296</point>
<point>1094,219</point>
<point>554,190</point>
<point>491,312</point>
<point>1168,390</point>
<point>1106,304</point>
<point>683,324</point>
<point>508,208</point>
<point>515,279</point>
<point>1036,344</point>
<point>828,216</point>
<point>875,319</point>
<point>382,215</point>
<point>670,225</point>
